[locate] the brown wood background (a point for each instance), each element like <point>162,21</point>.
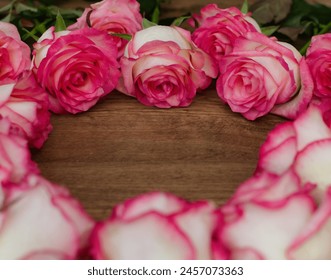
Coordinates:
<point>121,148</point>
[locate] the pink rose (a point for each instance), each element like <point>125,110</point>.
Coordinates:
<point>302,146</point>
<point>112,16</point>
<point>76,68</point>
<point>284,210</point>
<point>40,220</point>
<point>319,62</point>
<point>265,226</point>
<point>218,29</point>
<point>27,110</point>
<point>15,158</point>
<point>14,58</point>
<point>262,75</point>
<point>162,67</point>
<point>156,226</point>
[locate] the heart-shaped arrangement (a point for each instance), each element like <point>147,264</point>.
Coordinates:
<point>282,212</point>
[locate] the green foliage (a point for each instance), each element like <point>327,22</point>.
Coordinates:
<point>295,19</point>
<point>35,18</point>
<point>244,7</point>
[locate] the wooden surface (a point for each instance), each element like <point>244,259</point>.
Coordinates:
<point>121,148</point>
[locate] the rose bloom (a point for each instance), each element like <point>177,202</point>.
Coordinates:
<point>14,54</point>
<point>40,220</point>
<point>218,28</point>
<point>263,75</point>
<point>284,210</point>
<point>76,68</point>
<point>302,146</point>
<point>156,226</point>
<point>14,58</point>
<point>15,158</point>
<point>319,61</point>
<point>289,226</point>
<point>27,110</point>
<point>112,16</point>
<point>162,67</point>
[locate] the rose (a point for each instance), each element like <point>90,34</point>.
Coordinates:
<point>76,68</point>
<point>218,29</point>
<point>319,61</point>
<point>263,226</point>
<point>113,16</point>
<point>162,67</point>
<point>40,220</point>
<point>156,226</point>
<point>15,159</point>
<point>27,110</point>
<point>302,146</point>
<point>292,180</point>
<point>263,75</point>
<point>14,58</point>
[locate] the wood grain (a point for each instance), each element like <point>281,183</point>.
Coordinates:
<point>121,148</point>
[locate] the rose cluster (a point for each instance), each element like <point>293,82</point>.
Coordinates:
<point>282,212</point>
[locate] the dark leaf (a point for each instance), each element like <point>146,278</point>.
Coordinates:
<point>267,11</point>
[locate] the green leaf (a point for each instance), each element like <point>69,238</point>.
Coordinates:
<point>244,7</point>
<point>269,30</point>
<point>7,18</point>
<point>267,11</point>
<point>180,20</point>
<point>123,36</point>
<point>20,7</point>
<point>29,34</point>
<point>147,23</point>
<point>7,7</point>
<point>156,15</point>
<point>60,25</point>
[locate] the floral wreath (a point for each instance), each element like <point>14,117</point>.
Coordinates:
<point>108,48</point>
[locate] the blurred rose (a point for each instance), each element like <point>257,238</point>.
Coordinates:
<point>27,110</point>
<point>156,226</point>
<point>218,28</point>
<point>162,67</point>
<point>262,75</point>
<point>40,220</point>
<point>303,146</point>
<point>288,227</point>
<point>15,159</point>
<point>76,68</point>
<point>113,16</point>
<point>319,61</point>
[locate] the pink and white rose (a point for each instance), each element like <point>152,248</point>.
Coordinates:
<point>262,75</point>
<point>15,158</point>
<point>319,62</point>
<point>268,227</point>
<point>302,146</point>
<point>156,226</point>
<point>162,67</point>
<point>40,220</point>
<point>27,110</point>
<point>76,68</point>
<point>14,55</point>
<point>218,29</point>
<point>112,16</point>
<point>14,59</point>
